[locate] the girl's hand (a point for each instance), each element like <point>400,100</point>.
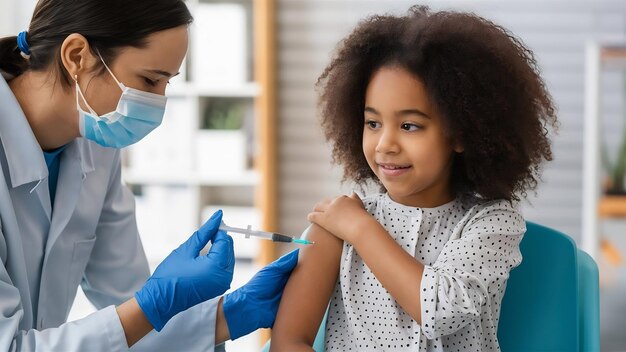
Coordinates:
<point>345,217</point>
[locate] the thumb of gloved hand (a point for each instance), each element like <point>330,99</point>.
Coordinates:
<point>200,238</point>
<point>186,278</point>
<point>222,252</point>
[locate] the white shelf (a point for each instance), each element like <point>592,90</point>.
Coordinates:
<point>613,56</point>
<point>247,178</point>
<point>598,56</point>
<point>245,90</point>
<point>591,150</point>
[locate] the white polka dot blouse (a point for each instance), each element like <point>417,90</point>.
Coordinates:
<point>468,249</point>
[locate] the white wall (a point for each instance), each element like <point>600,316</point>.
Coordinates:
<point>5,17</point>
<point>15,16</point>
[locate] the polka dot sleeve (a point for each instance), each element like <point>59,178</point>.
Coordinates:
<point>470,274</point>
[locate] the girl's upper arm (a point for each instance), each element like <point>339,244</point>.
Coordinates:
<point>307,292</point>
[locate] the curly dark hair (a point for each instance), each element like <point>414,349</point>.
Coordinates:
<point>483,80</point>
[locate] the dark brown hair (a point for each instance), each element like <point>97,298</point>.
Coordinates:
<point>483,80</point>
<point>107,25</point>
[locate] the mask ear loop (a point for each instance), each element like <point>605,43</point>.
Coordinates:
<point>79,92</point>
<point>119,84</point>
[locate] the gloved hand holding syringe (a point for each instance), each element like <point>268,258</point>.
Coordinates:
<point>272,236</point>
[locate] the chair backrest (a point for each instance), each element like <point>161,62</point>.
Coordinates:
<point>551,300</point>
<point>589,295</point>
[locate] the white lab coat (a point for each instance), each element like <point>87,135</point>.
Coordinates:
<point>90,239</point>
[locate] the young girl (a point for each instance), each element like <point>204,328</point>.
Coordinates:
<point>447,113</point>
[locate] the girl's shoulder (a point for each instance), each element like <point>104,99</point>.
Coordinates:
<point>492,205</point>
<point>480,207</point>
<point>499,214</point>
<point>372,201</point>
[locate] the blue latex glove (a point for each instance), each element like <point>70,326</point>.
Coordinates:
<point>254,305</point>
<point>185,278</point>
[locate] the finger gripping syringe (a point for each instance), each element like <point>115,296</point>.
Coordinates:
<point>272,236</point>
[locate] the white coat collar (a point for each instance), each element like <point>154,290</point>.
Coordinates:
<point>23,154</point>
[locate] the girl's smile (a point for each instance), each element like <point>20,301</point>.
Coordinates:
<point>393,170</point>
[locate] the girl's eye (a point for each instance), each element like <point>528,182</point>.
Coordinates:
<point>372,124</point>
<point>410,127</point>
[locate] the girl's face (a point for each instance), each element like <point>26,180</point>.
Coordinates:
<point>404,141</point>
<point>148,69</point>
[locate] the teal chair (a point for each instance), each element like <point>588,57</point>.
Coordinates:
<point>551,301</point>
<point>552,298</point>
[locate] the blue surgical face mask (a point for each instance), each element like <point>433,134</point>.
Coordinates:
<point>136,115</point>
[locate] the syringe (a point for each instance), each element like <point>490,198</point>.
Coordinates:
<point>272,236</point>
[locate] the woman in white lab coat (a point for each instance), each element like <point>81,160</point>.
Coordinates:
<point>87,78</point>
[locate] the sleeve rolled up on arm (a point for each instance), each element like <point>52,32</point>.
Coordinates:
<point>470,274</point>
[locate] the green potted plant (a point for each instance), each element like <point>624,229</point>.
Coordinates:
<point>615,170</point>
<point>221,141</point>
<point>223,114</point>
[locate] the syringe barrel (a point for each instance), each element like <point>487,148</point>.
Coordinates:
<point>277,237</point>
